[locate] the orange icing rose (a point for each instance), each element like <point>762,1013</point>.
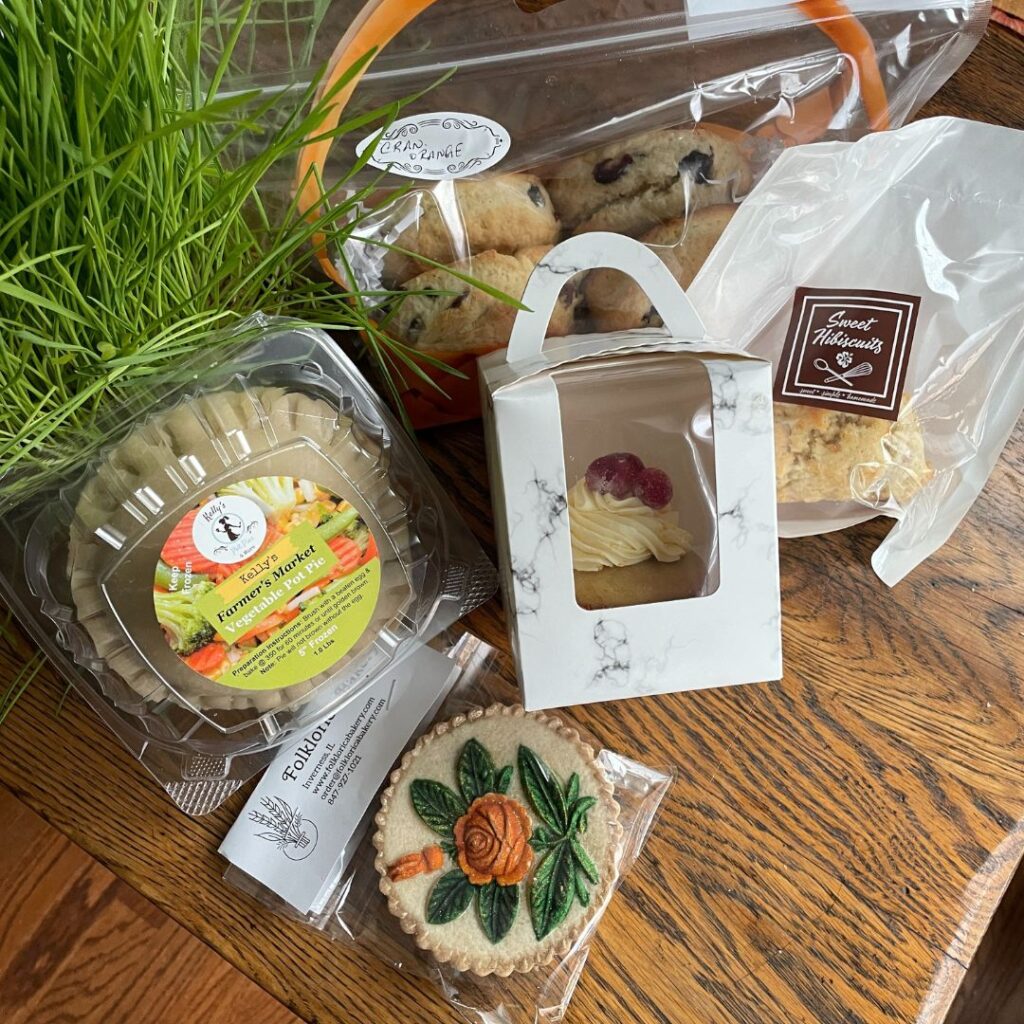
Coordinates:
<point>493,840</point>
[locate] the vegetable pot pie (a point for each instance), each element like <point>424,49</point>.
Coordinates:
<point>236,551</point>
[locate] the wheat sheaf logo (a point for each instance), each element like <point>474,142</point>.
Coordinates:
<point>294,835</point>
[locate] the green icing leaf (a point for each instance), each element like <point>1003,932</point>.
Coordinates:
<point>449,847</point>
<point>584,861</point>
<point>504,779</point>
<point>552,890</point>
<point>475,771</point>
<point>582,892</point>
<point>449,898</point>
<point>438,806</point>
<point>578,814</point>
<point>572,789</point>
<point>498,906</point>
<point>543,790</point>
<point>542,839</point>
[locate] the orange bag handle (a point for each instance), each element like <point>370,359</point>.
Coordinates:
<point>381,20</point>
<point>812,115</point>
<point>371,30</point>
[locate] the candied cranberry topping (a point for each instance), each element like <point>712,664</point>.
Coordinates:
<point>623,475</point>
<point>653,488</point>
<point>698,166</point>
<point>611,169</point>
<point>536,196</point>
<point>614,474</point>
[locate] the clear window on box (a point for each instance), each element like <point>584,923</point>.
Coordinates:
<point>639,450</point>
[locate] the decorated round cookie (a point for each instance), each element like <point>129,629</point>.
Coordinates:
<point>498,840</point>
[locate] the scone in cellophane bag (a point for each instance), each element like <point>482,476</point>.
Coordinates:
<point>883,280</point>
<point>252,544</point>
<point>489,858</point>
<point>546,119</point>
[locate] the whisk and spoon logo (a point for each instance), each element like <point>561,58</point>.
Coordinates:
<point>843,372</point>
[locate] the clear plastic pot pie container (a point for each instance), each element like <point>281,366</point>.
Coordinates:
<point>253,544</point>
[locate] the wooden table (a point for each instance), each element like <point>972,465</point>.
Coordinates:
<point>835,844</point>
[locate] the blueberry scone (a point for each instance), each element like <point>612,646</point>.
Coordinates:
<point>822,455</point>
<point>444,313</point>
<point>617,303</point>
<point>631,186</point>
<point>504,214</point>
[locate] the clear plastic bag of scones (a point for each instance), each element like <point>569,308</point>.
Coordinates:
<point>496,845</point>
<point>882,278</point>
<point>535,120</point>
<point>251,544</point>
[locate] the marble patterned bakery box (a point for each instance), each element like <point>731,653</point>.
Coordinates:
<point>634,492</point>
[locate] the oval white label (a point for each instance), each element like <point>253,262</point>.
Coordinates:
<point>439,146</point>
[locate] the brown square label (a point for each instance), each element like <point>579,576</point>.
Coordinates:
<point>847,349</point>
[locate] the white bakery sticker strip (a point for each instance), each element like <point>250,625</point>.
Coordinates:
<point>302,822</point>
<point>438,147</point>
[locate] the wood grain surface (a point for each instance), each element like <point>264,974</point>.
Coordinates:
<point>836,843</point>
<point>79,946</point>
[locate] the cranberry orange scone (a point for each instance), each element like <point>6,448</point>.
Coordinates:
<point>631,186</point>
<point>617,303</point>
<point>498,840</point>
<point>504,214</point>
<point>444,313</point>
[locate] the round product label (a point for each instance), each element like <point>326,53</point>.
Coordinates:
<point>229,529</point>
<point>266,583</point>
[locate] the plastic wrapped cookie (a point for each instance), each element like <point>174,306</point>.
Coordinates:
<point>235,551</point>
<point>498,840</point>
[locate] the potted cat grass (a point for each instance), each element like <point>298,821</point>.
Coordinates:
<point>498,841</point>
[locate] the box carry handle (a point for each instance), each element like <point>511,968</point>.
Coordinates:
<point>591,251</point>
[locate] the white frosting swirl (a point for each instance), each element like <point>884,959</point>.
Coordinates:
<point>609,531</point>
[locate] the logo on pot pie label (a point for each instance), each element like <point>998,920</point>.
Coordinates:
<point>229,529</point>
<point>436,147</point>
<point>847,350</point>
